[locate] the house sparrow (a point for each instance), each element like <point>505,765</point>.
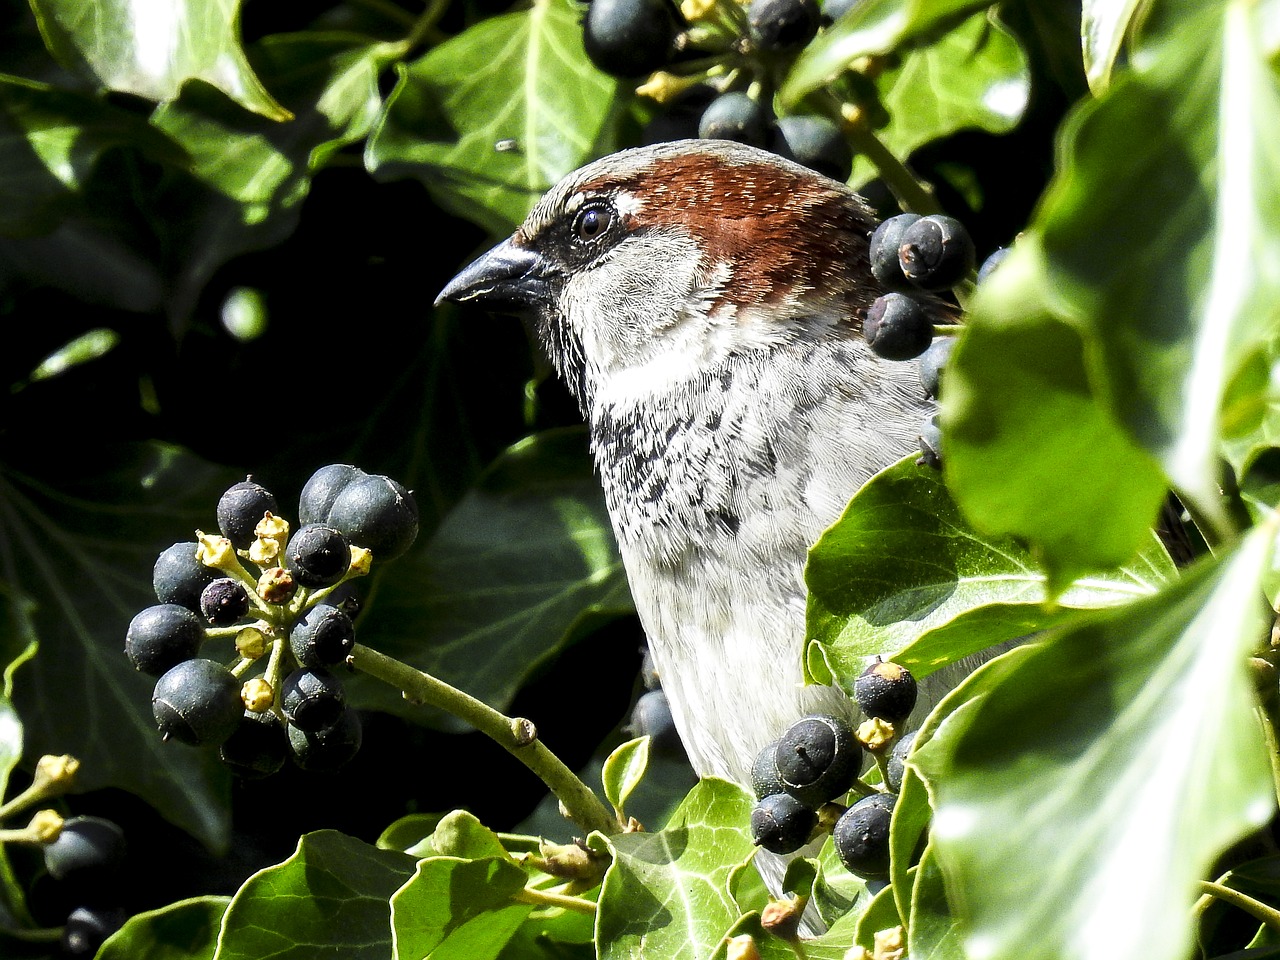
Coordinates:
<point>703,301</point>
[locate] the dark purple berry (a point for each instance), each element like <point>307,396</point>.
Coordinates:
<point>781,824</point>
<point>782,24</point>
<point>886,691</point>
<point>818,758</point>
<point>241,509</point>
<point>932,363</point>
<point>197,702</point>
<point>87,928</point>
<point>88,852</point>
<point>224,602</point>
<point>936,252</point>
<point>322,489</point>
<point>896,768</point>
<point>898,327</point>
<point>317,555</point>
<point>651,717</point>
<point>735,116</point>
<point>765,781</point>
<point>815,142</point>
<point>258,747</point>
<point>178,577</point>
<point>886,267</point>
<point>322,637</point>
<point>861,836</point>
<point>330,748</point>
<point>376,513</point>
<point>312,699</point>
<point>630,38</point>
<point>161,637</point>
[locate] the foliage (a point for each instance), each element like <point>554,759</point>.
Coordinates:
<point>332,164</point>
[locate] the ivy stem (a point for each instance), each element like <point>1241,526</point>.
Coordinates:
<point>1267,716</point>
<point>515,735</point>
<point>1256,909</point>
<point>912,192</point>
<point>546,898</point>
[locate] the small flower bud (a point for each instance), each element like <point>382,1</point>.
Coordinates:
<point>251,643</point>
<point>257,695</point>
<point>276,585</point>
<point>875,734</point>
<point>889,944</point>
<point>56,773</point>
<point>45,826</point>
<point>361,560</point>
<point>272,527</point>
<point>782,917</point>
<point>264,550</point>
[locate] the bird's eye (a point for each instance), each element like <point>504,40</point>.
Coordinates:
<point>591,222</point>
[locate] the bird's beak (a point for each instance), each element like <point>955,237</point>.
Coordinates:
<point>507,279</point>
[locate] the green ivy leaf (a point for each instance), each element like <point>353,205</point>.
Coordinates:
<point>50,141</point>
<point>623,771</point>
<point>173,42</point>
<point>907,831</point>
<point>510,570</point>
<point>869,28</point>
<point>932,931</point>
<point>331,899</point>
<point>259,171</point>
<point>1104,24</point>
<point>974,76</point>
<point>76,554</point>
<point>902,575</point>
<point>1120,755</point>
<point>456,909</point>
<point>459,834</point>
<point>1145,322</point>
<point>666,893</point>
<point>522,79</point>
<point>186,930</point>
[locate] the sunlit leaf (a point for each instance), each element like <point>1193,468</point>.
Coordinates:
<point>153,49</point>
<point>186,930</point>
<point>1103,26</point>
<point>1079,798</point>
<point>492,118</point>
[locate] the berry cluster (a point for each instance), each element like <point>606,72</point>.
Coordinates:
<point>286,599</point>
<point>915,257</point>
<point>712,64</point>
<point>800,778</point>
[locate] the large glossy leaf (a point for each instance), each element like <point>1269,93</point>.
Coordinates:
<point>869,28</point>
<point>50,140</point>
<point>901,574</point>
<point>666,893</point>
<point>76,554</point>
<point>1132,326</point>
<point>258,171</point>
<point>521,81</point>
<point>506,576</point>
<point>186,930</point>
<point>331,899</point>
<point>1103,27</point>
<point>1079,799</point>
<point>456,909</point>
<point>153,49</point>
<point>972,77</point>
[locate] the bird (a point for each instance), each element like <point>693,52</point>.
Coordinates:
<point>703,302</point>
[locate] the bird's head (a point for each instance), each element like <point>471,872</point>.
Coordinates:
<point>652,263</point>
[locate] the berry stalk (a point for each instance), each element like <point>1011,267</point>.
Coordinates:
<point>516,736</point>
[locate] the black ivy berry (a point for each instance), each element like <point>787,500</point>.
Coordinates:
<point>630,38</point>
<point>815,142</point>
<point>651,717</point>
<point>87,928</point>
<point>312,698</point>
<point>898,326</point>
<point>932,363</point>
<point>258,747</point>
<point>781,824</point>
<point>818,759</point>
<point>89,852</point>
<point>377,513</point>
<point>735,116</point>
<point>883,251</point>
<point>765,781</point>
<point>886,690</point>
<point>240,510</point>
<point>322,489</point>
<point>896,767</point>
<point>178,577</point>
<point>329,748</point>
<point>322,637</point>
<point>782,24</point>
<point>936,252</point>
<point>931,442</point>
<point>161,637</point>
<point>861,836</point>
<point>317,555</point>
<point>197,702</point>
<point>225,601</point>
<point>989,265</point>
